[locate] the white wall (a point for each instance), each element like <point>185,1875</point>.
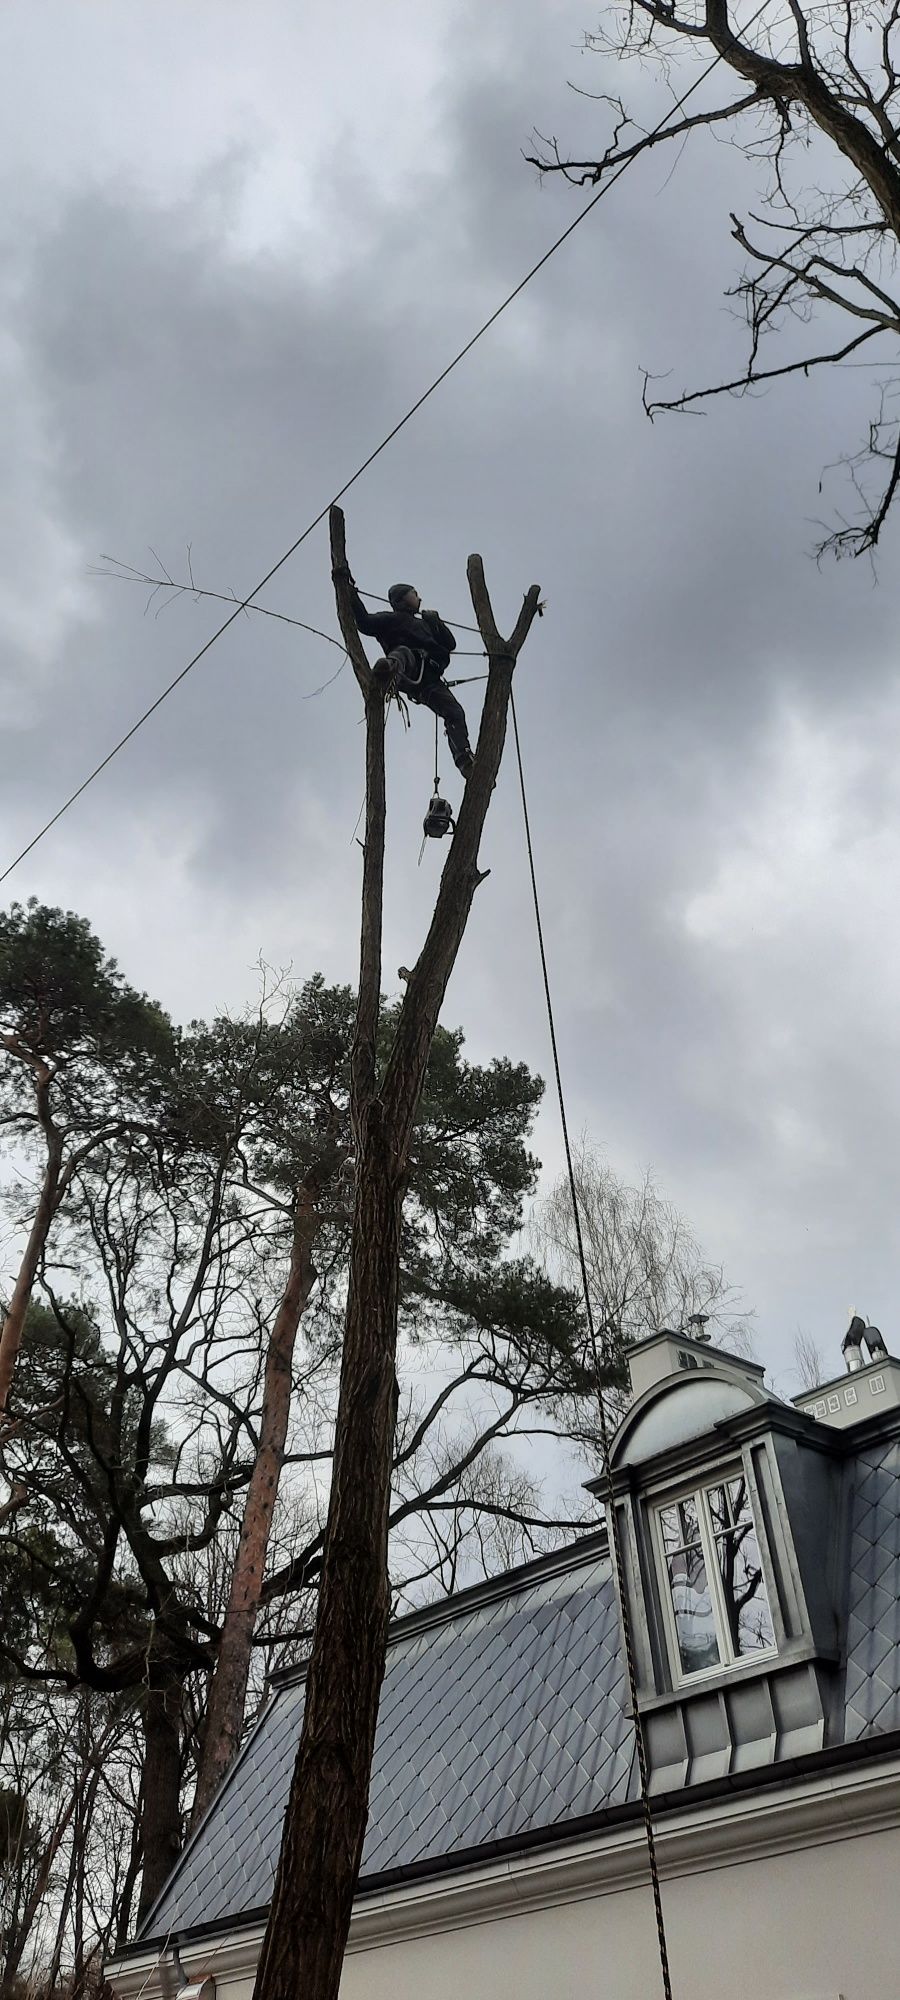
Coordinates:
<point>801,1926</point>
<point>789,1893</point>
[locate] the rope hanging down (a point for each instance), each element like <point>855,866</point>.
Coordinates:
<point>414,408</point>
<point>614,1544</point>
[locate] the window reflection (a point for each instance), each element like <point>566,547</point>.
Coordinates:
<point>715,1579</point>
<point>695,1623</point>
<point>746,1603</point>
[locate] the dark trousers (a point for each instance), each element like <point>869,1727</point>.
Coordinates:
<point>435,694</point>
<point>430,691</point>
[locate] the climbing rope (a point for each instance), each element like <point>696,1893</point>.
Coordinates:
<point>614,1543</point>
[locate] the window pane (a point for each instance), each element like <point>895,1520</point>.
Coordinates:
<point>671,1529</point>
<point>694,1621</point>
<point>718,1507</point>
<point>690,1526</point>
<point>747,1605</point>
<point>740,1505</point>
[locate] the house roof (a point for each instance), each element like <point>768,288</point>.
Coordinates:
<point>872,1685</point>
<point>504,1717</point>
<point>501,1711</point>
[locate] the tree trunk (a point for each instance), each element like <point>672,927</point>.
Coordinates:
<point>326,1819</point>
<point>135,1857</point>
<point>161,1827</point>
<point>14,1324</point>
<point>325,1827</point>
<point>17,1942</point>
<point>799,82</point>
<point>225,1710</point>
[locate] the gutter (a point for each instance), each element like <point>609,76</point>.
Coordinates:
<point>726,1831</point>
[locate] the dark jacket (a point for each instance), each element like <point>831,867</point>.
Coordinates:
<point>424,631</point>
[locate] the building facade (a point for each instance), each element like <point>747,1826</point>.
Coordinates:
<point>506,1853</point>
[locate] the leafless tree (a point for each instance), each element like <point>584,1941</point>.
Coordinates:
<point>325,1825</point>
<point>809,1361</point>
<point>816,102</point>
<point>67,1827</point>
<point>645,1267</point>
<point>645,1271</point>
<point>145,1434</point>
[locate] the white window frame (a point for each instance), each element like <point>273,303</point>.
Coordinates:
<point>729,1661</point>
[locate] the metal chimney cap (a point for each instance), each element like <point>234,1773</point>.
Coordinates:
<point>851,1345</point>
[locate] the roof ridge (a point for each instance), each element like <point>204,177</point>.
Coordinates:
<point>508,1583</point>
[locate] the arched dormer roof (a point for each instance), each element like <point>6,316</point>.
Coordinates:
<point>682,1407</point>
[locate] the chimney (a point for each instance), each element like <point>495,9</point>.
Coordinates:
<point>671,1351</point>
<point>875,1344</point>
<point>851,1345</point>
<point>874,1386</point>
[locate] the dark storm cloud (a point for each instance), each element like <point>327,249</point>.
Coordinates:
<point>179,383</point>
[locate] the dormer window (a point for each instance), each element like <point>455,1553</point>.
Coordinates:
<point>715,1601</point>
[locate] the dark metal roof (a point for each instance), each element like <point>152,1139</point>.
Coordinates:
<point>873,1614</point>
<point>503,1716</point>
<point>503,1713</point>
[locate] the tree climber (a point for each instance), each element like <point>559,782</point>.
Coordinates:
<point>417,646</point>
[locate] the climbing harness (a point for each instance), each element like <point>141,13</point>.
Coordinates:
<point>615,1549</point>
<point>439,818</point>
<point>410,664</point>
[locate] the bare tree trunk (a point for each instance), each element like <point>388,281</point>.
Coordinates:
<point>225,1711</point>
<point>161,1822</point>
<point>325,1827</point>
<point>14,1324</point>
<point>16,1943</point>
<point>326,1820</point>
<point>135,1858</point>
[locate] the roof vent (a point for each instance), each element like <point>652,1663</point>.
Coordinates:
<point>875,1384</point>
<point>875,1344</point>
<point>851,1345</point>
<point>857,1335</point>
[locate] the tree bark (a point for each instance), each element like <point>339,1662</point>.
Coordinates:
<point>15,1946</point>
<point>326,1819</point>
<point>225,1711</point>
<point>309,1919</point>
<point>48,1201</point>
<point>135,1858</point>
<point>801,83</point>
<point>161,1826</point>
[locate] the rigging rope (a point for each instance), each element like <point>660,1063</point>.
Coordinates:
<point>614,1543</point>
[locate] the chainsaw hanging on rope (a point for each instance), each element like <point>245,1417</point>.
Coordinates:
<point>439,818</point>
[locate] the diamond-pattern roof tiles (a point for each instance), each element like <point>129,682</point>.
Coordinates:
<point>873,1631</point>
<point>495,1719</point>
<point>506,1712</point>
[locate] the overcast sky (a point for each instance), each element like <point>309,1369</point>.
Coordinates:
<point>236,243</point>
